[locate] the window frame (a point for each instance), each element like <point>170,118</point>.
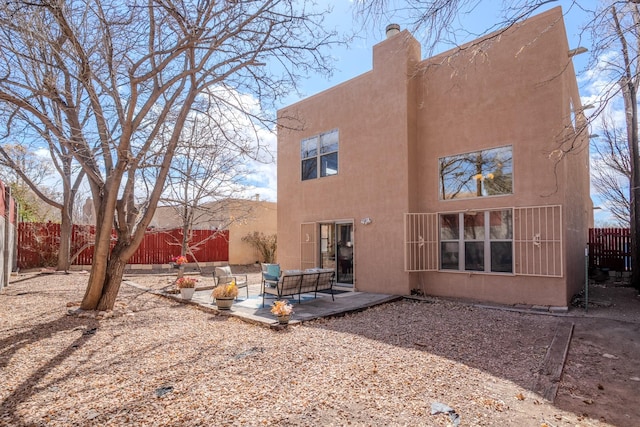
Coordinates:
<point>459,239</point>
<point>477,179</point>
<point>321,156</point>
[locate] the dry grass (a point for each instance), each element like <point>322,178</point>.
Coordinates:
<point>157,362</point>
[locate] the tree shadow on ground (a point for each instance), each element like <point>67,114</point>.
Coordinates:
<point>12,344</point>
<point>504,344</point>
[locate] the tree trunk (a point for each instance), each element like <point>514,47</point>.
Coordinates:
<point>113,279</point>
<point>630,102</point>
<point>64,252</point>
<point>102,253</point>
<point>101,294</point>
<point>629,86</point>
<point>97,279</point>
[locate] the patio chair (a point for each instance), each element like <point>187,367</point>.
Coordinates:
<point>270,274</point>
<point>224,275</point>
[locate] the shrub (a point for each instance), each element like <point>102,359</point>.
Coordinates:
<point>265,245</point>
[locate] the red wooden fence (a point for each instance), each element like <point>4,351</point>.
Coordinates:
<point>38,245</point>
<point>610,248</point>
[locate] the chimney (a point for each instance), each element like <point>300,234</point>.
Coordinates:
<point>392,30</point>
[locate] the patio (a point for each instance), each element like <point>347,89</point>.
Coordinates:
<point>251,310</point>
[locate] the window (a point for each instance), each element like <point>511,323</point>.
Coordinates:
<point>477,241</point>
<point>319,153</point>
<point>477,174</point>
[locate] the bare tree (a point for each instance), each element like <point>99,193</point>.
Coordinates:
<point>103,77</point>
<point>208,170</point>
<point>438,21</point>
<point>31,178</point>
<point>68,175</point>
<point>611,171</point>
<point>615,28</point>
<point>31,208</point>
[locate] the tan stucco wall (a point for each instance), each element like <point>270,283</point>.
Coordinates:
<point>514,92</point>
<point>263,219</point>
<point>396,121</point>
<point>371,114</point>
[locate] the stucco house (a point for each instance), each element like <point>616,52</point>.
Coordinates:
<point>461,175</point>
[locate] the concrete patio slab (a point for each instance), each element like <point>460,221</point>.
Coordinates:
<point>310,307</point>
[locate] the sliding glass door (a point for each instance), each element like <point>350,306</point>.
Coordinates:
<point>327,246</point>
<point>336,250</point>
<point>344,238</point>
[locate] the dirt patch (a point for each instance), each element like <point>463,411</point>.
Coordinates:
<point>601,378</point>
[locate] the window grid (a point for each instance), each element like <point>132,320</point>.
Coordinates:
<point>538,241</point>
<point>474,231</point>
<point>319,155</point>
<point>421,242</point>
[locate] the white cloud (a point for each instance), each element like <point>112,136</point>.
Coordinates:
<point>598,85</point>
<point>264,172</point>
<point>261,164</point>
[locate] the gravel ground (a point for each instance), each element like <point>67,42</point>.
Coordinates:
<point>156,362</point>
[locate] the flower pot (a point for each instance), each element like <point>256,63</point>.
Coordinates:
<point>284,320</point>
<point>224,303</point>
<point>187,293</point>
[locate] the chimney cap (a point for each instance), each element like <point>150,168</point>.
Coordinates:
<point>392,30</point>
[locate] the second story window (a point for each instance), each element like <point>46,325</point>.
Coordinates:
<point>477,174</point>
<point>319,153</point>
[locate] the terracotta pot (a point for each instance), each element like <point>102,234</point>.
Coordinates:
<point>224,303</point>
